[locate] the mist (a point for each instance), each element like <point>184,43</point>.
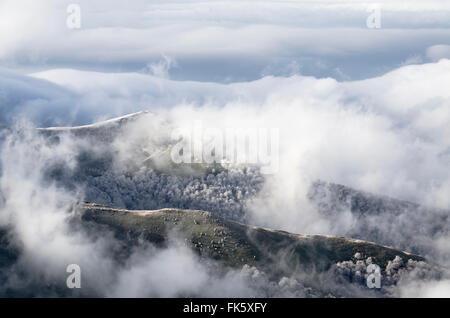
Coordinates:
<point>361,115</point>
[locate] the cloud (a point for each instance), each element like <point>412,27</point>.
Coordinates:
<point>433,289</point>
<point>43,226</point>
<point>384,129</point>
<point>217,42</point>
<point>26,95</point>
<point>437,52</point>
<point>385,135</point>
<point>359,131</point>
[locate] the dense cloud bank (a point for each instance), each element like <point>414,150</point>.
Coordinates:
<point>387,135</point>
<point>364,108</point>
<point>225,41</point>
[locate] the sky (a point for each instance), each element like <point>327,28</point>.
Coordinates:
<point>363,106</point>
